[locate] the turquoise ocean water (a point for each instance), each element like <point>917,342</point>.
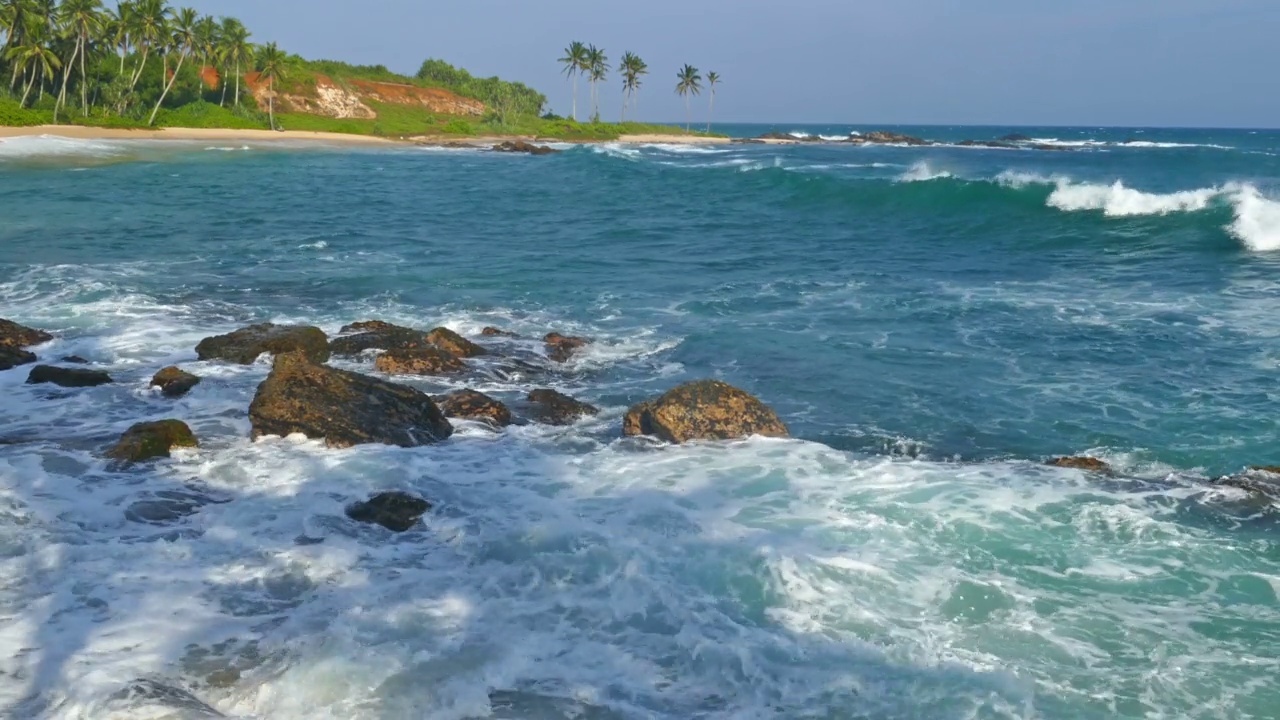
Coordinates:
<point>931,322</point>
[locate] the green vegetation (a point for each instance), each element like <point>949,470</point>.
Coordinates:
<point>690,83</point>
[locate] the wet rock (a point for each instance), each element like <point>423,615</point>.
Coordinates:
<point>168,506</point>
<point>446,339</point>
<point>144,693</point>
<point>998,144</point>
<point>11,357</point>
<point>245,345</point>
<point>395,511</point>
<point>520,146</point>
<point>370,326</point>
<point>18,336</point>
<point>344,408</point>
<point>554,408</point>
<point>67,377</point>
<point>75,360</point>
<point>474,405</point>
<point>1263,480</point>
<point>377,335</point>
<point>174,382</point>
<point>491,331</point>
<point>1014,138</point>
<point>562,347</point>
<point>148,440</point>
<point>429,360</point>
<point>1088,464</point>
<point>882,137</point>
<point>703,410</point>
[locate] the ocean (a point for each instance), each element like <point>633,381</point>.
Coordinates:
<point>932,323</point>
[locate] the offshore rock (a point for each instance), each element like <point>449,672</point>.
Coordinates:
<point>1261,480</point>
<point>491,331</point>
<point>377,335</point>
<point>148,440</point>
<point>245,345</point>
<point>561,347</point>
<point>474,405</point>
<point>395,511</point>
<point>174,382</point>
<point>554,408</point>
<point>1088,464</point>
<point>703,410</point>
<point>344,408</point>
<point>446,339</point>
<point>11,357</point>
<point>428,360</point>
<point>520,146</point>
<point>67,377</point>
<point>18,336</point>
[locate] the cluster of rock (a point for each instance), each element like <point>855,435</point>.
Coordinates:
<point>884,137</point>
<point>520,146</point>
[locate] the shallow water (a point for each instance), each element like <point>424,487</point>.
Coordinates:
<point>930,322</point>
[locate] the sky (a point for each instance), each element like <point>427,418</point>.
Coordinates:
<point>1179,63</point>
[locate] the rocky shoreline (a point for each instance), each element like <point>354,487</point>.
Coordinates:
<point>883,137</point>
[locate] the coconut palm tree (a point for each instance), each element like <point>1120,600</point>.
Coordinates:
<point>148,22</point>
<point>272,66</point>
<point>713,79</point>
<point>236,48</point>
<point>597,69</point>
<point>115,30</point>
<point>33,56</point>
<point>690,83</point>
<point>185,41</point>
<point>82,20</point>
<point>575,56</point>
<point>632,69</point>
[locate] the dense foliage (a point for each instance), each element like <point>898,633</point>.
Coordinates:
<point>503,97</point>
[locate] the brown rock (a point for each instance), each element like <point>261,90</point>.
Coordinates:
<point>703,410</point>
<point>145,441</point>
<point>446,339</point>
<point>14,335</point>
<point>74,360</point>
<point>377,335</point>
<point>370,326</point>
<point>395,511</point>
<point>561,347</point>
<point>344,408</point>
<point>496,332</point>
<point>11,357</point>
<point>245,345</point>
<point>1088,464</point>
<point>473,405</point>
<point>429,360</point>
<point>174,382</point>
<point>555,408</point>
<point>67,377</point>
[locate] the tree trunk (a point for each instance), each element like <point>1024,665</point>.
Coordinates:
<point>711,112</point>
<point>688,115</point>
<point>271,103</point>
<point>84,76</point>
<point>575,97</point>
<point>223,82</point>
<point>237,83</point>
<point>169,86</point>
<point>146,50</point>
<point>27,91</point>
<point>66,78</point>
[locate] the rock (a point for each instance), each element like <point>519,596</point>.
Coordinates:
<point>75,360</point>
<point>11,357</point>
<point>395,511</point>
<point>149,698</point>
<point>429,360</point>
<point>1088,464</point>
<point>174,382</point>
<point>473,405</point>
<point>497,332</point>
<point>344,408</point>
<point>168,506</point>
<point>1014,138</point>
<point>555,408</point>
<point>999,144</point>
<point>19,336</point>
<point>882,137</point>
<point>148,440</point>
<point>562,347</point>
<point>520,146</point>
<point>67,377</point>
<point>377,335</point>
<point>1261,480</point>
<point>245,345</point>
<point>446,339</point>
<point>370,326</point>
<point>703,410</point>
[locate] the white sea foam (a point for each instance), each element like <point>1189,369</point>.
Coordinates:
<point>1257,222</point>
<point>681,149</point>
<point>37,146</point>
<point>1116,200</point>
<point>923,172</point>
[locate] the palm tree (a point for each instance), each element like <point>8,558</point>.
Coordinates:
<point>271,67</point>
<point>185,42</point>
<point>713,79</point>
<point>33,56</point>
<point>82,20</point>
<point>575,56</point>
<point>597,69</point>
<point>632,69</point>
<point>148,28</point>
<point>116,30</point>
<point>236,48</point>
<point>690,83</point>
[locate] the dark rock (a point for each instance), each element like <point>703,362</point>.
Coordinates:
<point>168,506</point>
<point>429,360</point>
<point>703,410</point>
<point>148,440</point>
<point>999,144</point>
<point>67,377</point>
<point>395,511</point>
<point>446,339</point>
<point>14,335</point>
<point>882,137</point>
<point>1088,464</point>
<point>553,408</point>
<point>75,360</point>
<point>561,347</point>
<point>245,345</point>
<point>12,357</point>
<point>1014,138</point>
<point>370,326</point>
<point>174,382</point>
<point>473,405</point>
<point>520,146</point>
<point>344,408</point>
<point>1263,480</point>
<point>747,141</point>
<point>378,335</point>
<point>144,692</point>
<point>497,332</point>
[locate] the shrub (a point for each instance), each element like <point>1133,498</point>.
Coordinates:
<point>458,126</point>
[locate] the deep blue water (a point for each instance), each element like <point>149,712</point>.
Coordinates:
<point>930,322</point>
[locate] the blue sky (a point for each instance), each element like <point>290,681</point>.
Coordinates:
<point>1200,63</point>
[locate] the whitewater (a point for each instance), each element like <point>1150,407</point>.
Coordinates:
<point>932,323</point>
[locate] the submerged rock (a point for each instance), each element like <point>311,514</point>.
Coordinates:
<point>142,693</point>
<point>168,506</point>
<point>446,339</point>
<point>1088,464</point>
<point>429,360</point>
<point>1263,480</point>
<point>377,335</point>
<point>67,377</point>
<point>174,382</point>
<point>554,408</point>
<point>395,511</point>
<point>344,408</point>
<point>18,336</point>
<point>1014,138</point>
<point>245,345</point>
<point>474,405</point>
<point>75,360</point>
<point>520,146</point>
<point>11,357</point>
<point>703,410</point>
<point>148,440</point>
<point>562,347</point>
<point>491,331</point>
